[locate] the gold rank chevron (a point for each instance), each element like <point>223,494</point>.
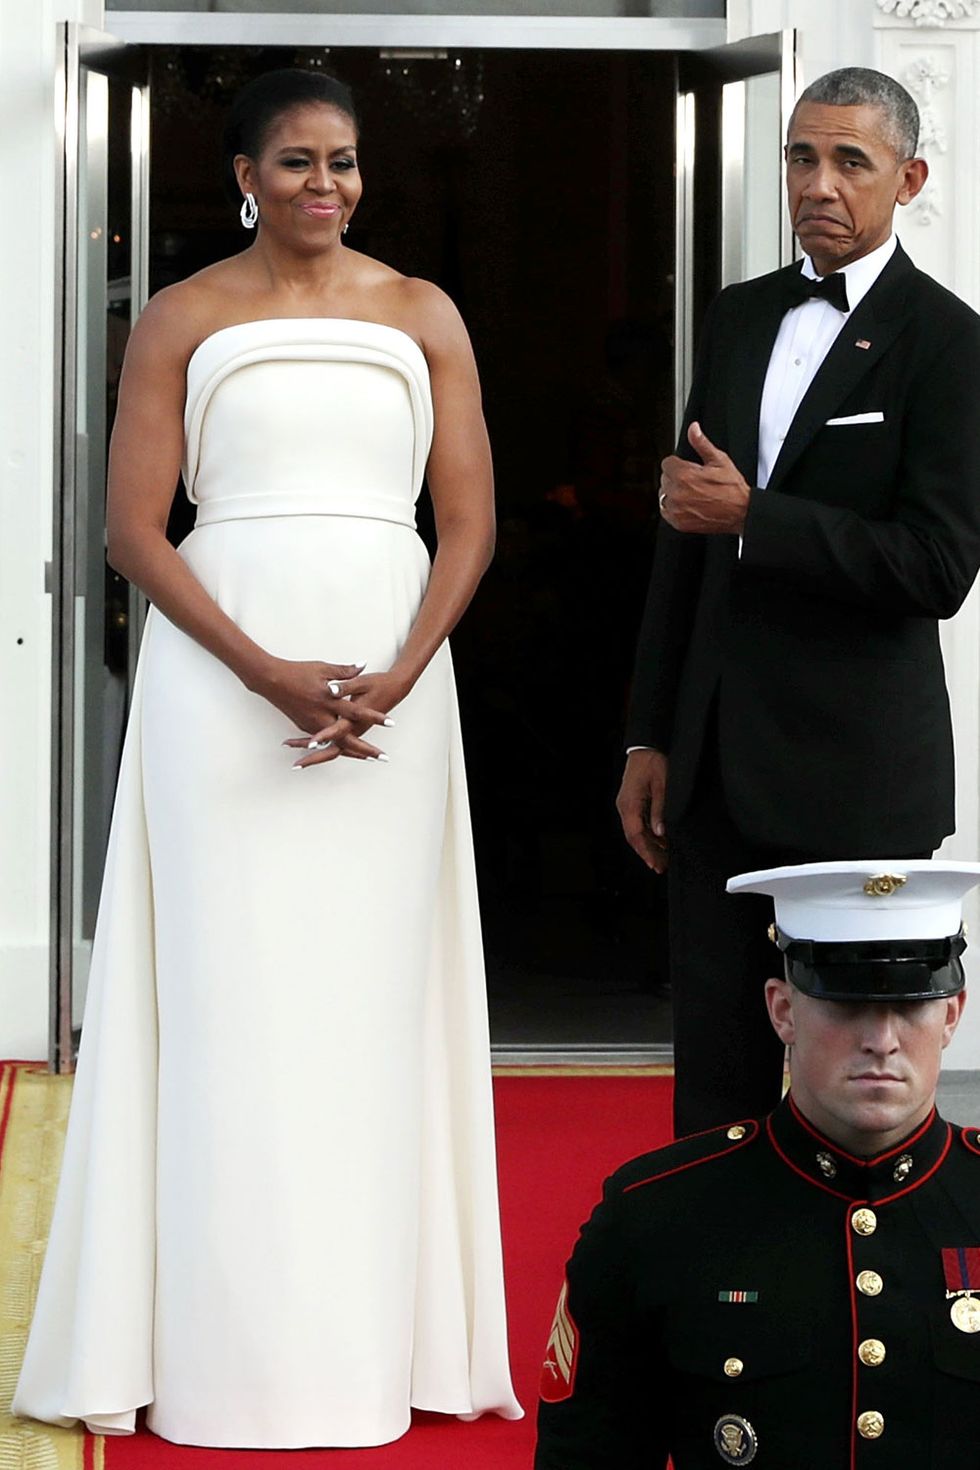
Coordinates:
<point>33,1114</point>
<point>561,1343</point>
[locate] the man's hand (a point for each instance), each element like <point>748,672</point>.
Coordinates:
<point>640,804</point>
<point>707,498</point>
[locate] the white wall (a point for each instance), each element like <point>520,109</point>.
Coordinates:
<point>940,64</point>
<point>27,173</point>
<point>831,33</point>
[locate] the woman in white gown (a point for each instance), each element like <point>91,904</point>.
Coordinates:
<point>277,1219</point>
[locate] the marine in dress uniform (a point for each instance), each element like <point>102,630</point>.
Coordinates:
<point>760,1293</point>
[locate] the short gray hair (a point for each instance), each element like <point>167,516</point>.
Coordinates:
<point>857,86</point>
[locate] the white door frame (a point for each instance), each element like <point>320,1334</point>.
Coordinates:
<point>417,33</point>
<point>483,32</point>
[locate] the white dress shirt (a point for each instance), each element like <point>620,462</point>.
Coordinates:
<point>806,334</point>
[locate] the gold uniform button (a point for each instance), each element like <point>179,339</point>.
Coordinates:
<point>864,1221</point>
<point>869,1283</point>
<point>872,1352</point>
<point>736,1133</point>
<point>871,1425</point>
<point>733,1367</point>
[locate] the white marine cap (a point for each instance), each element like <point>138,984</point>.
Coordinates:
<point>865,900</point>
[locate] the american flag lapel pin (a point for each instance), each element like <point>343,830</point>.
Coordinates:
<point>862,342</point>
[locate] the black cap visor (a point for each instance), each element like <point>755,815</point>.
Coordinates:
<point>885,970</point>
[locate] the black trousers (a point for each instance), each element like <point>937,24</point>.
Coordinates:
<point>728,1061</point>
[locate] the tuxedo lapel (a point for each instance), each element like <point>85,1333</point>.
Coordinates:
<point>748,380</point>
<point>866,335</point>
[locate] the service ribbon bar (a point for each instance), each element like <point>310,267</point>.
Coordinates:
<point>961,1264</point>
<point>753,1296</point>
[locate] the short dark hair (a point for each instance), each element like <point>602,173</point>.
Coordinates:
<point>858,86</point>
<point>264,99</point>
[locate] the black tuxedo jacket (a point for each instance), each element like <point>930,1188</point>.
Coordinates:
<point>821,643</point>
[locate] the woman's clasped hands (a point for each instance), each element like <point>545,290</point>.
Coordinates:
<point>336,704</point>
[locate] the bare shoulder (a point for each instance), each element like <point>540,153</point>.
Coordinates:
<point>426,313</point>
<point>173,322</point>
<point>177,319</point>
<point>434,315</point>
<point>417,307</point>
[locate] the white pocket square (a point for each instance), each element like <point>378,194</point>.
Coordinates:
<point>857,418</point>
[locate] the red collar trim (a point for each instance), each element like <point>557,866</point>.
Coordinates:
<point>835,1148</point>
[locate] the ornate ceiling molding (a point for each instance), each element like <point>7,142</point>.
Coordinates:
<point>929,12</point>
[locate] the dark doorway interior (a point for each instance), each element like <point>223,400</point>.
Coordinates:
<point>537,189</point>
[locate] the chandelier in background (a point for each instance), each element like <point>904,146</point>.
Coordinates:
<point>440,91</point>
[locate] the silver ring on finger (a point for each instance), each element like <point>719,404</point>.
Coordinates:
<point>663,498</point>
<point>319,744</point>
<point>334,688</point>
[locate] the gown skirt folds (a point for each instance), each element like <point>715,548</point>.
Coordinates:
<point>277,1219</point>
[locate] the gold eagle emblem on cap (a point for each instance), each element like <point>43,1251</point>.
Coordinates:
<point>883,885</point>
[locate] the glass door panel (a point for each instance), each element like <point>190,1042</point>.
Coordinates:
<point>732,110</point>
<point>96,616</point>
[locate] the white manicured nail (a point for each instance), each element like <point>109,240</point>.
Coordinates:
<point>381,757</point>
<point>389,724</point>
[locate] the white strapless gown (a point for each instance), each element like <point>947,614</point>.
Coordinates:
<point>277,1218</point>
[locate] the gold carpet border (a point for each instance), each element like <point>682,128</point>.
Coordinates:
<point>571,1070</point>
<point>29,1169</point>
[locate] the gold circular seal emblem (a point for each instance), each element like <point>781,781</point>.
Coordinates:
<point>869,1283</point>
<point>735,1439</point>
<point>872,1352</point>
<point>864,1221</point>
<point>733,1367</point>
<point>965,1313</point>
<point>736,1132</point>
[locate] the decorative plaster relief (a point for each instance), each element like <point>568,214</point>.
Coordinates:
<point>929,12</point>
<point>925,77</point>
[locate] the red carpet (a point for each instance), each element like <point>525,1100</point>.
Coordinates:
<point>557,1138</point>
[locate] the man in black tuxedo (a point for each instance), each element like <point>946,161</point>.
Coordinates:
<point>821,514</point>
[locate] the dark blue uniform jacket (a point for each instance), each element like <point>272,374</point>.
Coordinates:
<point>755,1294</point>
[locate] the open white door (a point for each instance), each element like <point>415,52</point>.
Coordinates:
<point>733,107</point>
<point>102,286</point>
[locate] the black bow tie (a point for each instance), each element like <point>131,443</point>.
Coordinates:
<point>833,288</point>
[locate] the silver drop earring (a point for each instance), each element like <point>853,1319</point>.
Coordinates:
<point>249,212</point>
<point>345,229</point>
